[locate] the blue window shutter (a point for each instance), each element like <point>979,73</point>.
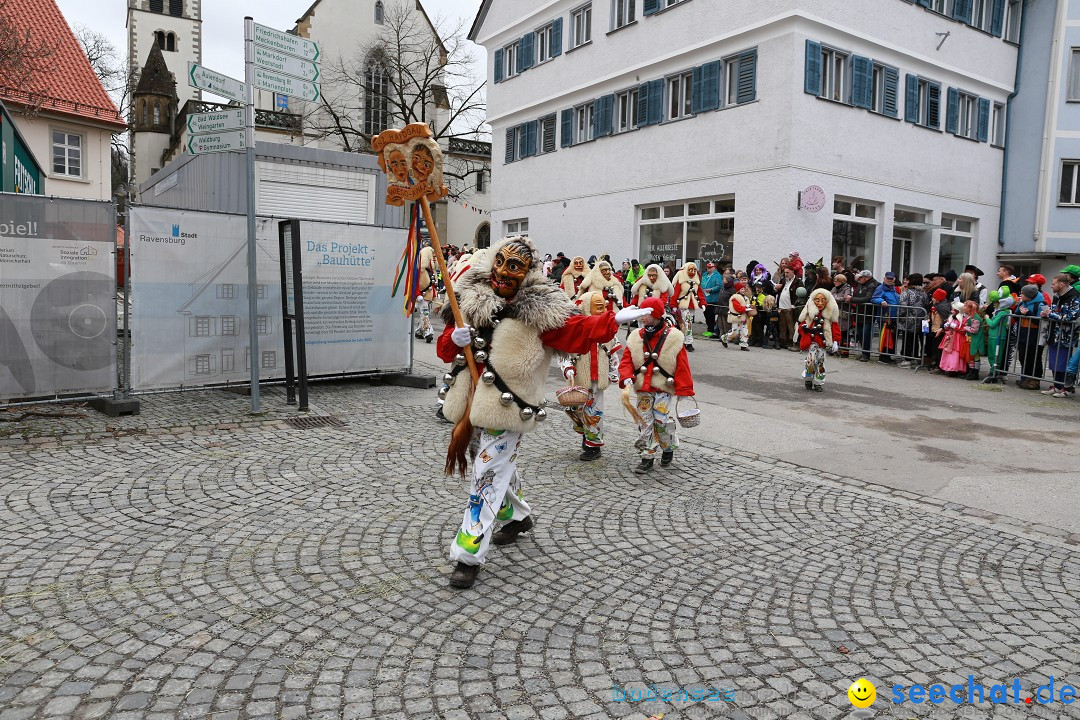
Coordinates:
<point>643,104</point>
<point>510,144</point>
<point>952,112</point>
<point>656,102</point>
<point>556,37</point>
<point>567,122</point>
<point>533,130</point>
<point>933,110</point>
<point>892,92</point>
<point>695,88</point>
<point>605,114</point>
<point>813,67</point>
<point>499,65</point>
<point>962,11</point>
<point>984,120</point>
<point>520,58</point>
<point>527,51</point>
<point>597,111</point>
<point>707,87</point>
<point>523,141</point>
<point>747,79</point>
<point>924,3</point>
<point>911,99</point>
<point>997,22</point>
<point>650,7</point>
<point>862,82</point>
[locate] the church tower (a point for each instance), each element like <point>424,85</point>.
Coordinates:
<point>176,27</point>
<point>154,105</point>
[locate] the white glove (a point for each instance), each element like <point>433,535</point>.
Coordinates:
<point>462,336</point>
<point>631,314</point>
<point>835,346</point>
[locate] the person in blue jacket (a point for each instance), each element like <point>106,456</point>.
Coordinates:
<point>712,283</point>
<point>887,305</point>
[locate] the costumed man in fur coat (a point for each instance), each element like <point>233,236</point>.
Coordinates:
<point>515,320</point>
<point>573,276</point>
<point>655,363</point>
<point>687,296</point>
<point>654,283</point>
<point>602,279</point>
<point>592,370</point>
<point>426,294</point>
<point>819,332</point>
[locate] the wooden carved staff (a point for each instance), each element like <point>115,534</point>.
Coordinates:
<point>413,161</point>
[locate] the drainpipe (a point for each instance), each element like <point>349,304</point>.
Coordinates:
<point>1008,129</point>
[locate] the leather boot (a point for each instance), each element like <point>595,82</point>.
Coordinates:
<point>509,532</point>
<point>464,575</point>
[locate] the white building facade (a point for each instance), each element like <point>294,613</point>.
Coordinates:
<point>667,131</point>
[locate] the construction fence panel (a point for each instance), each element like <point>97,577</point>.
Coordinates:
<point>57,297</point>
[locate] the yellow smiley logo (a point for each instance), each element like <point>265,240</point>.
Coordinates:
<point>862,693</point>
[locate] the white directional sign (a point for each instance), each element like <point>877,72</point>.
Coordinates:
<point>216,142</point>
<point>288,64</point>
<point>285,85</point>
<point>215,122</point>
<point>286,43</point>
<point>214,82</point>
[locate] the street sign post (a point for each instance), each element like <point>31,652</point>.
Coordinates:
<point>277,62</point>
<point>215,122</point>
<point>206,79</point>
<point>286,43</point>
<point>285,85</point>
<point>216,142</point>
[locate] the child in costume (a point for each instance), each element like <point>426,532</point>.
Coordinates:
<point>655,363</point>
<point>819,331</point>
<point>997,337</point>
<point>954,348</point>
<point>591,370</point>
<point>770,318</point>
<point>940,309</point>
<point>976,329</point>
<point>738,315</point>
<point>426,293</point>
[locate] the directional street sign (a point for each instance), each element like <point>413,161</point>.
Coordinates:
<point>217,142</point>
<point>288,64</point>
<point>286,43</point>
<point>215,122</point>
<point>285,85</point>
<point>214,82</point>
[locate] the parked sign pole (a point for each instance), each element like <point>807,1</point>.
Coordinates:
<point>253,280</point>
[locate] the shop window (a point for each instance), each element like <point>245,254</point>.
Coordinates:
<point>855,233</point>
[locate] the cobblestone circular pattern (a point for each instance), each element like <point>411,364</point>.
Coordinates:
<point>278,573</point>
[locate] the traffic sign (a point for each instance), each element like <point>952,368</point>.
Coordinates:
<point>286,43</point>
<point>214,82</point>
<point>285,85</point>
<point>215,122</point>
<point>216,142</point>
<point>288,64</point>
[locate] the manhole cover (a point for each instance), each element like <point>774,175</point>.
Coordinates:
<point>305,423</point>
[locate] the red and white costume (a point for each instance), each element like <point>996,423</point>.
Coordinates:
<point>645,288</point>
<point>687,297</point>
<point>819,331</point>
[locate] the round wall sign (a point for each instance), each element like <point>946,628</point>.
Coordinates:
<point>813,198</point>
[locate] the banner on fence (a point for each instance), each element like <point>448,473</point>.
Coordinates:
<point>190,309</point>
<point>57,297</point>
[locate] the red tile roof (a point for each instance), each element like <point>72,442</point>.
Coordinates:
<point>69,86</point>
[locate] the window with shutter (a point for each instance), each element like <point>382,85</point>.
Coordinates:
<point>812,84</point>
<point>997,128</point>
<point>567,128</point>
<point>835,83</point>
<point>997,18</point>
<point>983,132</point>
<point>510,60</point>
<point>1012,20</point>
<point>544,43</point>
<point>626,107</point>
<point>581,26</point>
<point>747,77</point>
<point>952,111</point>
<point>556,37</point>
<point>680,98</point>
<point>527,52</point>
<point>890,91</point>
<point>707,87</point>
<point>584,123</point>
<point>622,13</point>
<point>911,99</point>
<point>650,7</point>
<point>499,65</point>
<point>862,82</point>
<point>962,10</point>
<point>656,102</point>
<point>933,105</point>
<point>547,134</point>
<point>643,104</point>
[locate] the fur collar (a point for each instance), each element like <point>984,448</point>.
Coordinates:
<point>663,285</point>
<point>594,280</point>
<point>832,310</point>
<point>538,303</point>
<point>682,277</point>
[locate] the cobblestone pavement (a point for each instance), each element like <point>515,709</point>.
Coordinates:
<point>181,564</point>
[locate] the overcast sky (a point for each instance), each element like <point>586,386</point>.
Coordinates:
<point>223,24</point>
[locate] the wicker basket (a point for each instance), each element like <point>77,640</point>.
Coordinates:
<point>573,396</point>
<point>688,418</point>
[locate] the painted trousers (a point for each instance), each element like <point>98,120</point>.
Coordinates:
<point>494,494</point>
<point>424,329</point>
<point>739,331</point>
<point>589,418</point>
<point>687,325</point>
<point>656,432</point>
<point>815,364</point>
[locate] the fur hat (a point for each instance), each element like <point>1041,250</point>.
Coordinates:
<point>585,302</point>
<point>595,280</point>
<point>653,304</point>
<point>831,312</point>
<point>663,284</point>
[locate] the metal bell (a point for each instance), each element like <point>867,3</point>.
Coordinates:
<point>495,322</point>
<point>526,413</point>
<point>459,359</point>
<point>480,356</point>
<point>448,379</point>
<point>479,343</point>
<point>541,415</point>
<point>670,382</point>
<point>488,377</point>
<point>506,398</point>
<point>655,356</point>
<point>444,391</point>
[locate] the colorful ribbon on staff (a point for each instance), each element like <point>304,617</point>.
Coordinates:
<point>410,264</point>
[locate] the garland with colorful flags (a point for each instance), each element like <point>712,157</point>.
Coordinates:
<point>410,264</point>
